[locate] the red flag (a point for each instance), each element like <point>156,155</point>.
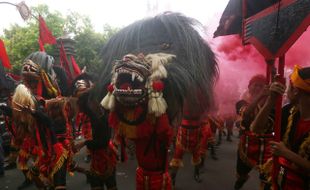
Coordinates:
<point>64,62</point>
<point>75,66</point>
<point>4,56</point>
<point>46,35</point>
<point>41,45</point>
<point>15,77</point>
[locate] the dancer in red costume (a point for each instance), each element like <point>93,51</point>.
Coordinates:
<point>35,131</point>
<point>209,139</point>
<point>216,124</point>
<point>293,150</point>
<point>253,150</point>
<point>229,124</point>
<point>83,83</point>
<point>83,125</point>
<point>151,132</point>
<point>7,87</point>
<point>61,111</point>
<point>191,137</point>
<point>159,63</point>
<point>102,171</point>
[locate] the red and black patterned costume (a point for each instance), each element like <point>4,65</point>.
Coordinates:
<point>101,149</point>
<point>152,138</point>
<point>7,87</point>
<point>83,83</point>
<point>217,124</point>
<point>38,143</point>
<point>253,150</point>
<point>83,127</point>
<point>151,132</point>
<point>211,124</point>
<point>35,131</point>
<point>103,154</point>
<point>11,132</point>
<point>61,111</point>
<point>192,136</point>
<point>293,150</point>
<point>296,136</point>
<point>82,122</point>
<point>160,61</point>
<point>229,124</point>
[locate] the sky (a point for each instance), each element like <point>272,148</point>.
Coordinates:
<point>120,13</point>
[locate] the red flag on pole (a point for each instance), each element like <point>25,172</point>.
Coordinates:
<point>64,62</point>
<point>4,56</point>
<point>41,45</point>
<point>46,35</point>
<point>75,66</point>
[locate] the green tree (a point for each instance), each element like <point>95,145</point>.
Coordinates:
<point>20,41</point>
<point>88,46</point>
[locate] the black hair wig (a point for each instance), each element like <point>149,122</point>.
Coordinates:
<point>191,75</point>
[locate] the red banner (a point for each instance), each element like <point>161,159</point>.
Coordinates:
<point>4,56</point>
<point>76,68</point>
<point>46,35</point>
<point>64,62</point>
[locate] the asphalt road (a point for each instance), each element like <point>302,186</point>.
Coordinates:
<point>218,175</point>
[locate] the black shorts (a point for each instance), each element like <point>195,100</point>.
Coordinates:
<point>60,176</point>
<point>109,182</point>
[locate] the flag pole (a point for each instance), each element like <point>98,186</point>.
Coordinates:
<point>277,125</point>
<point>269,70</point>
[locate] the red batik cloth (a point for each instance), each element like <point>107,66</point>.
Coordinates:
<point>148,180</point>
<point>83,122</point>
<point>152,148</point>
<point>103,160</point>
<point>192,136</point>
<point>152,138</point>
<point>48,162</point>
<point>295,177</point>
<point>255,149</point>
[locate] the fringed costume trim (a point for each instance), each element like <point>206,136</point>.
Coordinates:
<point>176,163</point>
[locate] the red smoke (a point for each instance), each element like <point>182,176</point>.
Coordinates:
<point>238,63</point>
<point>299,53</point>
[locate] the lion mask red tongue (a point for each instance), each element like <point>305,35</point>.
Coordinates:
<point>125,86</point>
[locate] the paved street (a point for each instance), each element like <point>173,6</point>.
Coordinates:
<point>218,175</point>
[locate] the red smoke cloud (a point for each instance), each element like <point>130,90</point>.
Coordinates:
<point>299,53</point>
<point>238,63</point>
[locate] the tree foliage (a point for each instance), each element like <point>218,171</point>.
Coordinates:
<point>20,41</point>
<point>88,47</point>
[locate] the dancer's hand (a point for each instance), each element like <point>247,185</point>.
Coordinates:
<point>78,146</point>
<point>276,88</point>
<point>27,109</point>
<point>279,149</point>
